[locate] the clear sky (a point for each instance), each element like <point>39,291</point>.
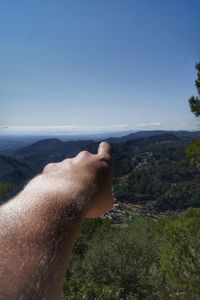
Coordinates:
<point>109,63</point>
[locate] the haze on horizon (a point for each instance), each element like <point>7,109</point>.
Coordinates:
<point>107,65</point>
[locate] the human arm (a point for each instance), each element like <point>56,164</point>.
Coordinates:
<point>39,226</point>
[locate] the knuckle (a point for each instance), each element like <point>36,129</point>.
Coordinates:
<point>67,161</point>
<point>106,157</point>
<point>84,153</point>
<point>49,167</point>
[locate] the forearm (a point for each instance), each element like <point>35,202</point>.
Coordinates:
<point>39,226</point>
<point>38,230</point>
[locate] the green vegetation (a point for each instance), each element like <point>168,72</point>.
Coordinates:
<point>195,101</point>
<point>146,259</point>
<point>134,256</point>
<point>193,153</point>
<point>163,180</point>
<point>5,190</point>
<point>193,150</point>
<point>180,258</point>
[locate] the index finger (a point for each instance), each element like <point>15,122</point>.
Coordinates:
<point>104,149</point>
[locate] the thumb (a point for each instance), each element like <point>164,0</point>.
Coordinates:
<point>104,149</point>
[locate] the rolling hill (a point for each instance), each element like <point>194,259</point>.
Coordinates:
<point>149,170</point>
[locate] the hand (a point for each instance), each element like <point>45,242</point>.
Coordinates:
<point>41,223</point>
<point>86,178</point>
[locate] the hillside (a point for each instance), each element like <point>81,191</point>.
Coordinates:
<point>39,154</point>
<point>147,134</point>
<point>151,172</point>
<point>14,173</point>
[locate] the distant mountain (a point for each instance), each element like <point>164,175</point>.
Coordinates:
<point>183,133</point>
<point>140,145</point>
<point>39,154</point>
<point>135,135</point>
<point>15,173</point>
<point>142,166</point>
<point>10,143</point>
<point>13,142</point>
<point>146,134</point>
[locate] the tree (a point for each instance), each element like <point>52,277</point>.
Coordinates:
<point>120,262</point>
<point>180,257</point>
<point>193,150</point>
<point>195,101</point>
<point>5,190</point>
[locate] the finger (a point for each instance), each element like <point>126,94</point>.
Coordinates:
<point>104,149</point>
<point>83,155</point>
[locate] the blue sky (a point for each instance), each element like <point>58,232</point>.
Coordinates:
<point>98,64</point>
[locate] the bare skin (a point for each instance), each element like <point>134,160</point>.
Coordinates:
<point>39,226</point>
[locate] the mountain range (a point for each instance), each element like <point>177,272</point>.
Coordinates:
<point>133,151</point>
<point>42,152</point>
